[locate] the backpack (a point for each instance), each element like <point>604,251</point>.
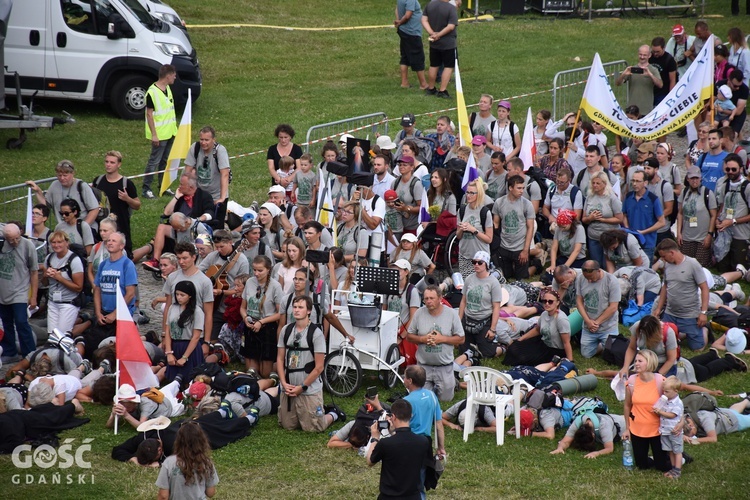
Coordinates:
<point>579,178</point>
<point>78,301</point>
<point>511,127</point>
<point>316,305</point>
<point>480,413</point>
<point>104,205</point>
<point>589,408</point>
<point>367,414</point>
<point>664,326</point>
<point>698,401</point>
<point>483,213</point>
<point>704,190</point>
<point>573,193</point>
<point>309,367</point>
<point>395,184</point>
<point>196,150</point>
<point>537,174</point>
<point>673,216</point>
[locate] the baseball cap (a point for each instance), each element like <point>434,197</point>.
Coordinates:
<point>276,189</point>
<point>409,237</point>
<point>403,264</point>
<point>504,104</point>
<point>693,172</point>
<point>406,159</point>
<point>390,195</point>
<point>408,120</point>
<point>651,162</point>
<point>678,30</point>
<point>479,140</point>
<point>725,91</point>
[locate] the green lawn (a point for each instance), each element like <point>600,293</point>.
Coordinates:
<point>255,78</point>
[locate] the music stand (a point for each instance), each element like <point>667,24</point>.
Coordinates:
<point>380,280</point>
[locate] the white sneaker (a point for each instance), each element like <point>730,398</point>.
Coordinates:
<point>741,268</point>
<point>738,292</point>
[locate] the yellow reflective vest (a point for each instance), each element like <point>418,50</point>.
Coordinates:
<point>165,120</point>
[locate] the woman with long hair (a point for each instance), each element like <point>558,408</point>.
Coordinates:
<point>650,333</point>
<point>474,233</point>
<point>739,55</point>
<point>261,303</point>
<point>642,391</point>
<point>496,177</point>
<point>621,249</point>
<point>551,163</point>
<point>268,217</point>
<point>439,192</point>
<point>347,231</point>
<point>330,154</point>
<point>542,120</point>
<point>293,260</point>
<point>569,242</point>
<point>504,135</point>
<point>63,274</point>
<point>190,472</point>
<point>550,337</point>
<point>618,165</point>
<point>183,331</point>
<point>601,211</point>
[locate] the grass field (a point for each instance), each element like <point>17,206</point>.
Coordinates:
<point>255,78</point>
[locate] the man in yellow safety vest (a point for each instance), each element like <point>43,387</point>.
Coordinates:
<point>161,126</point>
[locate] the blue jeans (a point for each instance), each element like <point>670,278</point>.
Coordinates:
<point>590,342</point>
<point>650,254</point>
<point>596,252</point>
<point>157,161</point>
<point>688,326</point>
<point>15,319</point>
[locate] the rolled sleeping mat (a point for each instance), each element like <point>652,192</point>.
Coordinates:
<point>576,385</point>
<point>429,279</point>
<point>576,322</point>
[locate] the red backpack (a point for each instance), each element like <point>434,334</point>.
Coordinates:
<point>664,327</point>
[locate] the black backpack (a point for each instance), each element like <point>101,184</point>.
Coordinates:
<point>316,305</point>
<point>309,367</point>
<point>78,301</point>
<point>536,174</point>
<point>197,149</point>
<point>673,216</point>
<point>511,127</point>
<point>395,184</point>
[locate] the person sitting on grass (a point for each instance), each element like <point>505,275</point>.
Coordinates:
<point>190,472</point>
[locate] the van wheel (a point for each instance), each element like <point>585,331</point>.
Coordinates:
<point>128,97</point>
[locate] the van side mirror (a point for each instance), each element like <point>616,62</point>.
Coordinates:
<point>117,27</point>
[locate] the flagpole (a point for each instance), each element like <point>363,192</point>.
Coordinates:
<point>573,133</point>
<point>713,110</point>
<point>117,388</point>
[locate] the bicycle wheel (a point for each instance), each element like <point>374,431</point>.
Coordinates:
<point>450,253</point>
<point>342,373</point>
<point>387,376</point>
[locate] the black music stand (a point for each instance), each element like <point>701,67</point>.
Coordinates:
<point>380,280</point>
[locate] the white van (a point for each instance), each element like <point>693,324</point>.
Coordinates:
<point>96,50</point>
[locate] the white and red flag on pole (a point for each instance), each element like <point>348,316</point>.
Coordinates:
<point>134,364</point>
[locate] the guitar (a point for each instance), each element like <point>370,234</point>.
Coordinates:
<point>218,274</point>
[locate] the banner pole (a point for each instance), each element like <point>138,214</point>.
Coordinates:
<point>117,388</point>
<point>713,111</point>
<point>573,133</point>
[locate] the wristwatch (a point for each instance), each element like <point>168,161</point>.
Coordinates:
<point>304,388</point>
<point>704,312</point>
<point>374,440</point>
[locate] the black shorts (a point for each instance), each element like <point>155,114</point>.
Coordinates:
<point>412,51</point>
<point>261,345</point>
<point>446,58</point>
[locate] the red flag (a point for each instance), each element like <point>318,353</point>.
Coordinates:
<point>135,365</point>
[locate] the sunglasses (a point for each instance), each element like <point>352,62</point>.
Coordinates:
<point>732,169</point>
<point>65,214</point>
<point>547,301</point>
<point>471,192</point>
<point>258,293</point>
<point>477,262</point>
<point>588,271</point>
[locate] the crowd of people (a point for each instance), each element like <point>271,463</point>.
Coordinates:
<point>610,232</point>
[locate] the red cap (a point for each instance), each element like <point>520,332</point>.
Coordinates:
<point>390,195</point>
<point>678,30</point>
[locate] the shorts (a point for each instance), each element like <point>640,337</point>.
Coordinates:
<point>446,58</point>
<point>590,342</point>
<point>441,380</point>
<point>412,51</point>
<point>302,412</point>
<point>261,345</point>
<point>670,442</point>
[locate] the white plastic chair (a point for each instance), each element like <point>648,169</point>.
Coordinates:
<point>482,390</point>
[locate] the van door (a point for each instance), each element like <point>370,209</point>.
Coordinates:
<point>80,44</point>
<point>25,43</point>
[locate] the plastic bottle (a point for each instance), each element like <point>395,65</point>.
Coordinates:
<point>627,454</point>
<point>319,411</point>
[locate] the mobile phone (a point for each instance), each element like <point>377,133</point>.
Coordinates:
<point>398,202</point>
<point>636,70</point>
<point>371,392</point>
<point>383,425</point>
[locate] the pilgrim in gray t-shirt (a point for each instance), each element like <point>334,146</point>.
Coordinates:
<point>597,296</point>
<point>682,282</point>
<point>480,293</point>
<point>446,323</point>
<point>513,216</point>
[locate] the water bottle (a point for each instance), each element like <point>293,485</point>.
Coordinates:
<point>319,411</point>
<point>627,454</point>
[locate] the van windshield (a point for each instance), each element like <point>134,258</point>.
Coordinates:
<point>141,13</point>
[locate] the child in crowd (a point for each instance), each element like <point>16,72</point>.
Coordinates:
<point>724,106</point>
<point>307,182</point>
<point>670,410</point>
<point>190,472</point>
<point>287,176</point>
<point>231,332</point>
<point>183,332</point>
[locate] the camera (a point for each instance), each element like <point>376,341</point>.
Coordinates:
<point>371,392</point>
<point>317,256</point>
<point>383,425</point>
<point>636,70</point>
